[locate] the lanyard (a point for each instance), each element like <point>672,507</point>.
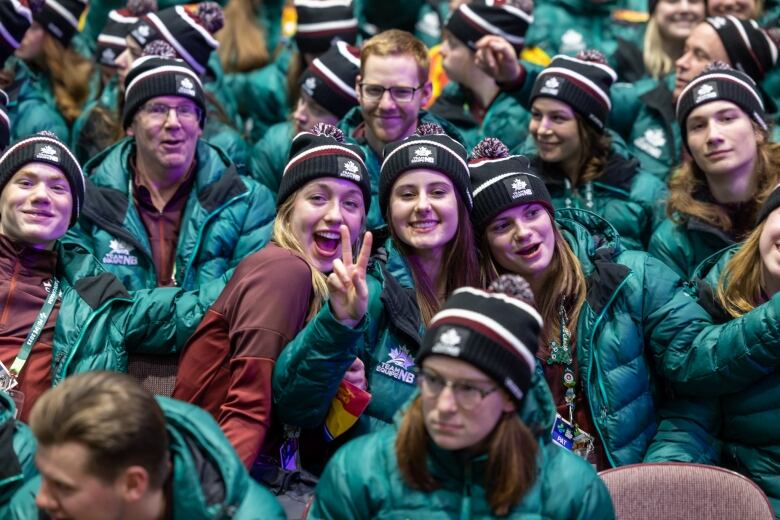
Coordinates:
<point>37,328</point>
<point>587,187</point>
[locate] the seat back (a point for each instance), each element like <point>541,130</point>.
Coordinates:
<point>681,491</point>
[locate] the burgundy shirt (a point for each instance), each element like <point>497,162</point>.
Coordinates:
<point>162,227</point>
<point>227,365</point>
<point>25,273</point>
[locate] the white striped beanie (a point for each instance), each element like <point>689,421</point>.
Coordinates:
<point>322,22</point>
<point>581,83</point>
<point>473,20</point>
<point>497,333</point>
<point>16,16</point>
<point>112,40</point>
<point>319,153</point>
<point>189,29</point>
<point>152,76</point>
<point>749,47</point>
<point>429,148</point>
<point>61,18</point>
<point>330,79</point>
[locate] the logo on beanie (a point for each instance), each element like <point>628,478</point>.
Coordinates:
<point>705,92</point>
<point>309,85</point>
<point>108,55</point>
<point>718,22</point>
<point>349,169</point>
<point>520,189</point>
<point>119,254</point>
<point>551,86</point>
<point>449,341</point>
<point>141,33</point>
<point>47,152</point>
<point>422,154</point>
<point>398,365</point>
<point>186,86</point>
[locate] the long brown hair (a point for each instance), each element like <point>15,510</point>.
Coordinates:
<point>564,285</point>
<point>69,73</point>
<point>511,464</point>
<point>459,266</point>
<point>690,180</point>
<point>739,285</point>
<point>242,42</point>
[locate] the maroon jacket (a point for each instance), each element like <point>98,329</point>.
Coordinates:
<point>227,365</point>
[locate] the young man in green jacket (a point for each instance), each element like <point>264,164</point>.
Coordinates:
<point>105,444</point>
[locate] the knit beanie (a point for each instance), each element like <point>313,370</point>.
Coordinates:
<point>47,148</point>
<point>323,153</point>
<point>749,47</point>
<point>112,40</point>
<point>430,148</point>
<point>582,83</point>
<point>497,333</point>
<point>500,181</point>
<point>5,121</point>
<point>60,18</point>
<point>771,204</point>
<point>321,22</point>
<point>151,76</point>
<point>330,79</point>
<point>471,21</point>
<point>719,82</point>
<point>187,28</point>
<point>15,19</point>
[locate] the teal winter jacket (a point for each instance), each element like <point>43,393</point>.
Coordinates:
<point>30,109</point>
<point>17,452</point>
<point>363,479</point>
<point>208,479</point>
<point>270,154</point>
<point>226,218</point>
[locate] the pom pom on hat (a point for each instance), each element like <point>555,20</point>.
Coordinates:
<point>429,129</point>
<point>515,286</point>
<point>160,48</point>
<point>324,129</point>
<point>141,7</point>
<point>211,16</point>
<point>489,148</point>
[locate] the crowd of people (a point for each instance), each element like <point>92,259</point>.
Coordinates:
<point>410,258</point>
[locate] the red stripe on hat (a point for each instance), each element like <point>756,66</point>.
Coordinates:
<point>481,329</point>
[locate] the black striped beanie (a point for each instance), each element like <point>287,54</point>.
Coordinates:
<point>473,20</point>
<point>494,332</point>
<point>60,18</point>
<point>749,47</point>
<point>322,22</point>
<point>330,79</point>
<point>15,18</point>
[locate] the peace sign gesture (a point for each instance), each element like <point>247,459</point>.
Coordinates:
<point>347,282</point>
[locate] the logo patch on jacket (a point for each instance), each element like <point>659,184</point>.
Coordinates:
<point>572,42</point>
<point>119,254</point>
<point>651,142</point>
<point>398,366</point>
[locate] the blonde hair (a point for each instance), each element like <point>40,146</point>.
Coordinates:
<point>657,62</point>
<point>242,42</point>
<point>109,413</point>
<point>564,285</point>
<point>284,238</point>
<point>395,42</point>
<point>69,73</point>
<point>511,462</point>
<point>739,285</point>
<point>689,180</point>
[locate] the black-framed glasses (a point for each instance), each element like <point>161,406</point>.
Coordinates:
<point>467,395</point>
<point>373,92</point>
<point>159,112</point>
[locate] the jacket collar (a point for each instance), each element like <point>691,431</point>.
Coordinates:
<point>398,293</point>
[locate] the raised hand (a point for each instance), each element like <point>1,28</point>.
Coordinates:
<point>498,59</point>
<point>347,282</point>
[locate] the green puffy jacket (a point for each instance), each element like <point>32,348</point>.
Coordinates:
<point>353,121</point>
<point>570,26</point>
<point>686,245</point>
<point>17,452</point>
<point>208,481</point>
<point>635,314</point>
<point>505,118</point>
<point>226,218</point>
<point>31,109</point>
<point>269,155</point>
<point>310,368</point>
<point>363,480</point>
<point>741,424</point>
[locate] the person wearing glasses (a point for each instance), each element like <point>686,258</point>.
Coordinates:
<point>392,88</point>
<point>474,441</point>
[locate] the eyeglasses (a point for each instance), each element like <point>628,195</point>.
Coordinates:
<point>375,92</point>
<point>158,112</point>
<point>467,395</point>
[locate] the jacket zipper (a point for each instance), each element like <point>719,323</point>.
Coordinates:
<point>602,390</point>
<point>465,503</point>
